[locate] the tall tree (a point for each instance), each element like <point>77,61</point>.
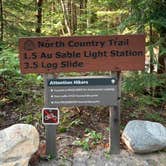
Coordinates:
<point>154,19</point>
<point>66,16</point>
<point>39,16</point>
<point>1,20</point>
<point>159,22</point>
<point>18,21</point>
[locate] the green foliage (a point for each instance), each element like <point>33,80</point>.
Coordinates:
<point>52,18</point>
<point>83,143</point>
<point>31,117</point>
<point>139,83</point>
<point>19,93</point>
<point>19,20</point>
<point>75,122</point>
<point>154,117</point>
<point>107,155</point>
<point>96,137</point>
<point>68,123</point>
<point>158,15</point>
<point>9,62</point>
<point>146,89</point>
<point>91,138</point>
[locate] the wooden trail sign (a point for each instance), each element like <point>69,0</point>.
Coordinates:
<point>50,55</point>
<point>82,54</point>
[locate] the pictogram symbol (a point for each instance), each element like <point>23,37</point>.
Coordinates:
<point>29,45</point>
<point>50,116</point>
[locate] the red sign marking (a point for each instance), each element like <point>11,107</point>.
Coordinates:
<point>50,116</point>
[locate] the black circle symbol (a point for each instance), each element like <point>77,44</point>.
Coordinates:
<point>29,45</point>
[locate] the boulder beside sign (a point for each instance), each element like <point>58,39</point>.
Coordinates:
<point>17,144</point>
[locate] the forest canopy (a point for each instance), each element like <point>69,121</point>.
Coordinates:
<point>26,18</point>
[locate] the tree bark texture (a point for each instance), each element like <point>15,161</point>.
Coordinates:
<point>39,16</point>
<point>65,15</point>
<point>1,19</point>
<point>151,55</point>
<point>161,58</point>
<point>83,11</point>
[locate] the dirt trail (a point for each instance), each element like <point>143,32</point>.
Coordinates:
<point>102,158</point>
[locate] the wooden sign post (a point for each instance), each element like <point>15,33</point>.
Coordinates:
<point>50,55</point>
<point>51,149</point>
<point>114,119</point>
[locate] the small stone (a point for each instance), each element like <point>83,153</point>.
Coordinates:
<point>79,163</point>
<point>152,162</point>
<point>92,162</point>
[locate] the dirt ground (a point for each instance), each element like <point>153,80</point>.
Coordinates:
<point>101,157</point>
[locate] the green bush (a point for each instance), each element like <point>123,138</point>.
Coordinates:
<point>146,88</point>
<point>15,87</point>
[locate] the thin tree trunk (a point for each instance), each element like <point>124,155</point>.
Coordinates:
<point>88,14</point>
<point>83,11</point>
<point>161,58</point>
<point>68,12</point>
<point>1,19</point>
<point>65,17</point>
<point>81,7</point>
<point>39,16</point>
<point>151,55</point>
<point>74,16</point>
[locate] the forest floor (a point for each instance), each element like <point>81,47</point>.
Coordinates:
<point>86,141</point>
<point>83,132</point>
<point>101,157</point>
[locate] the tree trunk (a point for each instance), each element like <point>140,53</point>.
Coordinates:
<point>151,55</point>
<point>73,16</point>
<point>68,12</point>
<point>65,17</point>
<point>83,11</point>
<point>161,58</point>
<point>39,16</point>
<point>1,19</point>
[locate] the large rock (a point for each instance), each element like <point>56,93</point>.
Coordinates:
<point>144,136</point>
<point>17,144</point>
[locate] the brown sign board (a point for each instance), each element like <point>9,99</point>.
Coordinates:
<point>82,54</point>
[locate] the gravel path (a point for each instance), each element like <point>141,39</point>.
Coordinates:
<point>102,158</point>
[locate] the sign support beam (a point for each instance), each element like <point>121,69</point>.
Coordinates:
<point>114,120</point>
<point>51,149</point>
